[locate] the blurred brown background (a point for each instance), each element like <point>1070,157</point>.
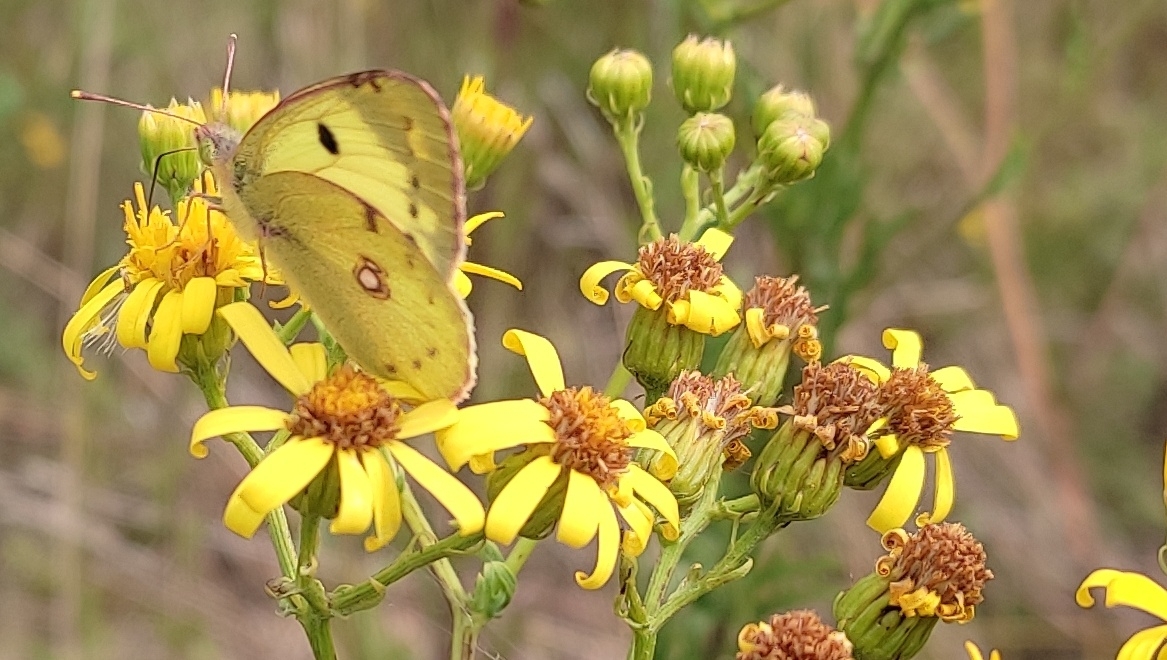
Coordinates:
<point>1018,145</point>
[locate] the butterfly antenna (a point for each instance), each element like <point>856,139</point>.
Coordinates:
<point>158,164</point>
<point>231,40</point>
<point>89,96</point>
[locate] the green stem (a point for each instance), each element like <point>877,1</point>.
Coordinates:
<point>717,186</point>
<point>756,199</point>
<point>618,381</point>
<point>670,556</point>
<point>643,644</point>
<point>290,330</point>
<point>691,191</point>
<point>628,135</point>
<point>319,633</point>
<point>707,217</point>
<point>519,554</point>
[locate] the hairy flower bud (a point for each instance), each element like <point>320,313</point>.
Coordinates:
<point>705,140</point>
<point>168,147</point>
<point>703,72</point>
<point>780,103</point>
<point>792,148</point>
<point>620,84</point>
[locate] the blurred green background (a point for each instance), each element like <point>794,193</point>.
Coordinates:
<point>997,181</point>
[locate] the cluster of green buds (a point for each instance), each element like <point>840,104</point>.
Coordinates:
<point>936,574</point>
<point>168,146</point>
<point>791,138</point>
<point>704,420</point>
<point>703,75</point>
<point>799,473</point>
<point>778,319</point>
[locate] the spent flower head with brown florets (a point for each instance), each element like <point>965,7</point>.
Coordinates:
<point>675,267</point>
<point>794,635</point>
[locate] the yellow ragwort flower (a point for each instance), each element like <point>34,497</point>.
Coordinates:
<point>462,283</point>
<point>1131,590</point>
<point>922,408</point>
<point>579,436</point>
<point>177,271</point>
<point>487,128</point>
<point>242,109</point>
<point>974,653</point>
<point>348,419</point>
<point>687,277</point>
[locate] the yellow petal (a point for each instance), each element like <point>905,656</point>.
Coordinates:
<point>477,221</point>
<point>979,414</point>
<point>517,501</point>
<point>265,346</point>
<point>1144,645</point>
<point>198,305</point>
<point>902,495</point>
<point>235,419</point>
<point>462,284</point>
<point>241,518</point>
<point>666,466</point>
<point>459,500</point>
<point>715,242</point>
<point>728,291</point>
<point>888,445</point>
<point>386,500</point>
<point>651,490</point>
<point>402,392</point>
<point>873,369</point>
<point>642,291</point>
<point>427,418</point>
<point>589,283</point>
<point>489,427</point>
<point>541,357</point>
<point>579,519</point>
<point>630,415</point>
<point>704,313</point>
<point>1124,588</point>
<point>85,318</point>
<point>609,548</point>
<point>492,273</point>
<point>166,333</point>
<point>952,379</point>
<point>945,487</point>
<point>905,346</point>
<point>101,283</point>
<point>135,313</point>
<point>639,518</point>
<point>277,478</point>
<point>311,359</point>
<point>356,495</point>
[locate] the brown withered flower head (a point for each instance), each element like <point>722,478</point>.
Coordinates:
<point>796,635</point>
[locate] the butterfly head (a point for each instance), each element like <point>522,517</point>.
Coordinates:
<point>217,143</point>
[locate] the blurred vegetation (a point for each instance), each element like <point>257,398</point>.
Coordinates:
<point>997,181</point>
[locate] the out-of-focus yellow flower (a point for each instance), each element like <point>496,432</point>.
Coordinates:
<point>242,109</point>
<point>578,440</point>
<point>461,282</point>
<point>1135,590</point>
<point>42,141</point>
<point>974,653</point>
<point>178,270</point>
<point>922,408</point>
<point>488,129</point>
<point>347,421</point>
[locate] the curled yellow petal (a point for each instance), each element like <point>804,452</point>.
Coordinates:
<point>355,513</point>
<point>666,466</point>
<point>541,357</point>
<point>716,242</point>
<point>235,419</point>
<point>945,493</point>
<point>462,284</point>
<point>492,273</point>
<point>490,427</point>
<point>255,333</point>
<point>579,519</point>
<point>1125,588</point>
<point>478,220</point>
<point>166,333</point>
<point>630,415</point>
<point>198,305</point>
<point>459,500</point>
<point>386,500</point>
<point>589,283</point>
<point>979,413</point>
<point>902,494</point>
<point>651,490</point>
<point>905,345</point>
<point>81,322</point>
<point>427,418</point>
<point>875,370</point>
<point>311,359</point>
<point>641,290</point>
<point>728,291</point>
<point>134,314</point>
<point>1144,645</point>
<point>277,478</point>
<point>100,283</point>
<point>639,519</point>
<point>704,313</point>
<point>517,501</point>
<point>952,379</point>
<point>606,552</point>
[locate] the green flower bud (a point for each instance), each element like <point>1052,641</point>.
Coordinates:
<point>705,140</point>
<point>779,103</point>
<point>800,470</point>
<point>620,84</point>
<point>547,512</point>
<point>936,574</point>
<point>872,470</point>
<point>493,589</point>
<point>658,351</point>
<point>168,144</point>
<point>704,421</point>
<point>792,148</point>
<point>703,72</point>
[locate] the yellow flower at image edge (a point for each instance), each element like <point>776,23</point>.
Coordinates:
<point>581,436</point>
<point>462,283</point>
<point>169,283</point>
<point>974,653</point>
<point>1135,590</point>
<point>923,409</point>
<point>348,416</point>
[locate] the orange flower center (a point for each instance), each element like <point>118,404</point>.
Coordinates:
<point>591,437</point>
<point>349,409</point>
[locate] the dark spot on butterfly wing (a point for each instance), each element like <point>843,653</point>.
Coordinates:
<point>407,123</point>
<point>362,77</point>
<point>417,364</point>
<point>371,278</point>
<point>370,218</point>
<point>391,369</point>
<point>413,210</point>
<point>432,352</point>
<point>415,182</point>
<point>327,139</point>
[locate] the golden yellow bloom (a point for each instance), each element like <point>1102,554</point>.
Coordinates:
<point>974,653</point>
<point>1135,590</point>
<point>582,441</point>
<point>347,421</point>
<point>242,109</point>
<point>168,285</point>
<point>462,283</point>
<point>684,278</point>
<point>922,408</point>
<point>487,129</point>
